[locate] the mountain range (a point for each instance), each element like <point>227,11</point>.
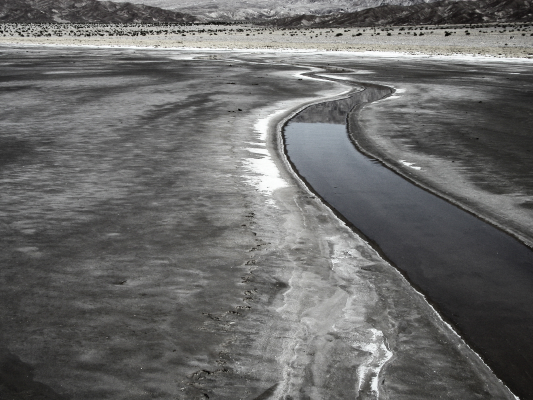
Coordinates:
<point>289,13</point>
<point>86,11</point>
<point>437,13</point>
<point>253,10</point>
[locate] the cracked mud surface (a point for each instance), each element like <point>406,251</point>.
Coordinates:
<point>140,260</point>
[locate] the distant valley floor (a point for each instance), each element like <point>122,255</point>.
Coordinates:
<point>497,40</point>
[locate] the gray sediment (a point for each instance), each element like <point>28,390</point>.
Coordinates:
<point>156,267</point>
<point>338,117</point>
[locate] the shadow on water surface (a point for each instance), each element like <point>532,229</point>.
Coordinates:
<point>479,278</point>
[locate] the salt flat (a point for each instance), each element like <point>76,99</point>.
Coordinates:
<point>147,253</point>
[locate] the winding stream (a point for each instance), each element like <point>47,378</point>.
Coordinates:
<point>478,277</point>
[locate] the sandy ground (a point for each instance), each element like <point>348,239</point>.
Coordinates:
<point>230,283</point>
<point>495,40</point>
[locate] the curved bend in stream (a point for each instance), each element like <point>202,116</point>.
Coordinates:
<point>478,277</point>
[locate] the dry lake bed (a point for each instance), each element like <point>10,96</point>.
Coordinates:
<point>156,242</point>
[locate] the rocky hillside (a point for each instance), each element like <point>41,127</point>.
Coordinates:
<point>438,13</point>
<point>290,13</point>
<point>252,10</point>
<point>86,11</point>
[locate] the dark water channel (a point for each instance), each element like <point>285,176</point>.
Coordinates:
<point>478,277</point>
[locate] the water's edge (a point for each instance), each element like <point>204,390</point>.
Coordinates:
<point>352,125</point>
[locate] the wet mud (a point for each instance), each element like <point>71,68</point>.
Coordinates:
<point>144,255</point>
<point>476,275</point>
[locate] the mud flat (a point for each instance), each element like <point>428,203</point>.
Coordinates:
<point>465,136</point>
<point>461,263</point>
<point>155,242</point>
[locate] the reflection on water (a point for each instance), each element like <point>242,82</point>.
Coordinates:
<point>335,112</point>
<point>479,278</point>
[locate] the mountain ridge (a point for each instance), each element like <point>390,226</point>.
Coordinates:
<point>86,11</point>
<point>389,12</point>
<point>437,13</point>
<point>252,10</point>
